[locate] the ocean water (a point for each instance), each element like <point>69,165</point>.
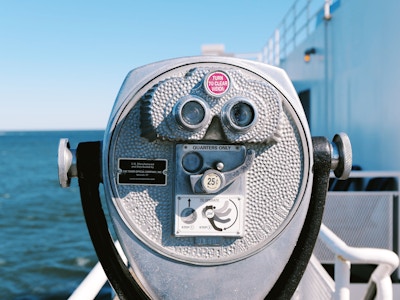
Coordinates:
<point>45,248</point>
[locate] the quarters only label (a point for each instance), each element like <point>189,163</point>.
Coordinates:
<point>142,171</point>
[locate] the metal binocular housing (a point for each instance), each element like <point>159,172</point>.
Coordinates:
<point>212,180</point>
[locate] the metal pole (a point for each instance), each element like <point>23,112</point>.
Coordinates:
<point>342,278</point>
<point>277,54</point>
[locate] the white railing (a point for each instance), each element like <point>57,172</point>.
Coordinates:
<point>298,23</point>
<point>386,260</point>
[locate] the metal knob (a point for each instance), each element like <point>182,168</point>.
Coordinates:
<point>66,163</point>
<point>342,158</point>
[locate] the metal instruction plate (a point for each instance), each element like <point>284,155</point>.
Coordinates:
<point>209,215</point>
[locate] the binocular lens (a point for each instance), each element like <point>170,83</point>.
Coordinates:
<point>242,114</point>
<point>239,114</point>
<point>193,113</point>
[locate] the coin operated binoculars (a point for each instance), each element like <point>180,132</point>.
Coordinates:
<point>213,183</point>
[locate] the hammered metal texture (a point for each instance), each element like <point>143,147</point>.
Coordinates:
<point>159,101</point>
<point>273,184</point>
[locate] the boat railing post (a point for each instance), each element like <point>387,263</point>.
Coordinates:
<point>271,51</point>
<point>342,278</point>
<point>277,42</point>
<point>387,261</point>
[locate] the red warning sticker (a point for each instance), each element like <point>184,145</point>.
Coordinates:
<point>217,83</point>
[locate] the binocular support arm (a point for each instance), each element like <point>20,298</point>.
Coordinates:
<point>327,156</point>
<point>291,275</point>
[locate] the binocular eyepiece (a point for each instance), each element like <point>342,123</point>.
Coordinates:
<point>237,115</point>
<point>184,108</point>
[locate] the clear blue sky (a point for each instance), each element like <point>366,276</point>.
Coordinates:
<point>62,62</point>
